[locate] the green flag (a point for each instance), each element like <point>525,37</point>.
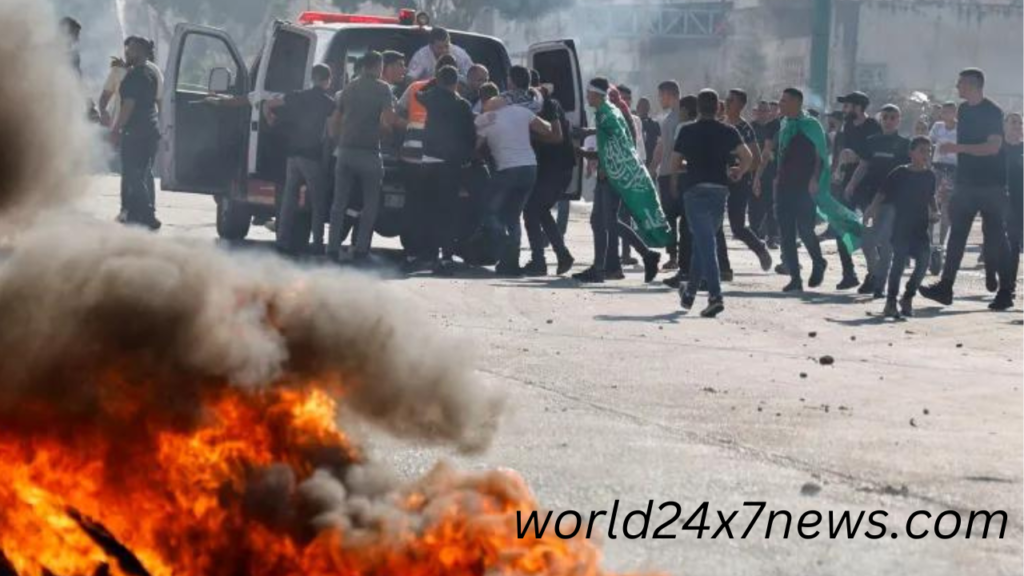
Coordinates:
<point>629,178</point>
<point>844,221</point>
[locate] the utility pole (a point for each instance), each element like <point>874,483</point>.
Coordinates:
<point>821,39</point>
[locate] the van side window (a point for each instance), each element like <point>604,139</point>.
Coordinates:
<point>287,68</point>
<point>555,67</point>
<point>200,55</point>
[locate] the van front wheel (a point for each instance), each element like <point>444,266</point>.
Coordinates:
<point>233,219</point>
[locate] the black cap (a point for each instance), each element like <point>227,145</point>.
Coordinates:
<point>856,98</point>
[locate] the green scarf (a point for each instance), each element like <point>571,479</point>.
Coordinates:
<point>628,176</point>
<point>844,221</point>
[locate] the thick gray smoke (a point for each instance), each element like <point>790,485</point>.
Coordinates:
<point>79,299</point>
<point>44,139</point>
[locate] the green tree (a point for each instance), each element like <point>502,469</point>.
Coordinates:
<point>461,14</point>
<point>244,19</point>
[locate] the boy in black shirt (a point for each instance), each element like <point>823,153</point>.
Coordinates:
<point>910,191</point>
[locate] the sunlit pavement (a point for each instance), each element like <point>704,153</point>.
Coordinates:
<point>614,395</point>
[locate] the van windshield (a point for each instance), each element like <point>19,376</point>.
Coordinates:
<point>348,45</point>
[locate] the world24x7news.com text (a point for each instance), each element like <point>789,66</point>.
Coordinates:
<point>669,521</point>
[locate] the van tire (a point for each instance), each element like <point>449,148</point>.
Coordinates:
<point>233,219</point>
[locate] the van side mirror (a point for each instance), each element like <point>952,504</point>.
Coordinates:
<point>220,80</point>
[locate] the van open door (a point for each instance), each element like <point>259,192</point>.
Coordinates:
<point>558,64</point>
<point>202,145</point>
<point>285,65</point>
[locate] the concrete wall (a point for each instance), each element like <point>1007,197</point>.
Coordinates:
<point>922,46</point>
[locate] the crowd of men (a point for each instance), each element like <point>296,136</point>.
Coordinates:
<point>660,185</point>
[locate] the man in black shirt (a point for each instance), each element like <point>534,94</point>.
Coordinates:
<point>799,172</point>
<point>741,190</point>
<point>882,153</point>
<point>909,191</point>
<point>980,187</point>
<point>137,132</point>
<point>556,163</point>
<point>651,129</point>
<point>448,143</point>
<point>852,149</point>
<point>303,115</point>
<point>762,203</point>
<point>709,149</point>
<point>1013,149</point>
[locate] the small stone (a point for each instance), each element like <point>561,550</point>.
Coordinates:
<point>803,374</point>
<point>913,423</point>
<point>709,390</point>
<point>550,321</point>
<point>778,414</point>
<point>927,412</point>
<point>802,400</point>
<point>759,409</point>
<point>812,334</point>
<point>853,338</point>
<point>826,360</point>
<point>844,409</point>
<point>810,489</point>
<point>959,345</point>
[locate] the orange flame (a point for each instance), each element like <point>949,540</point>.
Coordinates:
<point>177,497</point>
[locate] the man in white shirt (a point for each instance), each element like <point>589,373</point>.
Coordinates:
<point>424,62</point>
<point>506,131</point>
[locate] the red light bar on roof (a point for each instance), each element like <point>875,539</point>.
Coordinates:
<point>337,18</point>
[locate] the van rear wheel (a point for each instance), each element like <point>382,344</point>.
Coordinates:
<point>233,219</point>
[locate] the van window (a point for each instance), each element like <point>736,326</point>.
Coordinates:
<point>350,44</point>
<point>286,70</point>
<point>201,54</point>
<point>555,67</point>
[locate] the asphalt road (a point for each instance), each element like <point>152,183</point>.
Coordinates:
<point>613,395</point>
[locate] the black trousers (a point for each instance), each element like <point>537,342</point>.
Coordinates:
<point>992,203</point>
<point>138,152</point>
<point>795,213</point>
<point>671,204</point>
<point>762,210</point>
<point>541,226</point>
<point>740,194</point>
<point>607,229</point>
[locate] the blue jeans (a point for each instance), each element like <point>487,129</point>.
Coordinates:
<point>511,191</point>
<point>705,209</point>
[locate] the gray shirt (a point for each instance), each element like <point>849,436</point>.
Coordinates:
<point>668,129</point>
<point>361,103</point>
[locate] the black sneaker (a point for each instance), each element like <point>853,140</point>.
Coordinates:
<point>765,258</point>
<point>715,307</point>
<point>535,268</point>
<point>940,292</point>
<point>795,286</point>
<point>782,270</point>
<point>817,274</point>
<point>589,276</point>
<point>907,306</point>
<point>878,294</point>
<point>565,262</point>
<point>726,275</point>
<point>848,282</point>
<point>651,266</point>
<point>1002,302</point>
<point>890,309</point>
<point>935,265</point>
<point>868,286</point>
<point>616,274</point>
<point>630,261</point>
<point>991,281</point>
<point>773,244</point>
<point>686,301</point>
<point>675,281</point>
